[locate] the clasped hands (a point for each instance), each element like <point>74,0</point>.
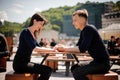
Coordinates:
<point>59,48</point>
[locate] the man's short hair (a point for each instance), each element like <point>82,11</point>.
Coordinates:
<point>81,13</point>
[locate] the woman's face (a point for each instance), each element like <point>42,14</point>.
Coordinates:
<point>38,24</point>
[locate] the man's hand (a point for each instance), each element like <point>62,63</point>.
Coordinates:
<point>60,48</point>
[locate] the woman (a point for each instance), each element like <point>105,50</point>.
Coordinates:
<point>91,42</point>
<point>27,44</point>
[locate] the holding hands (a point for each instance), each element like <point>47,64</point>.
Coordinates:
<point>60,48</point>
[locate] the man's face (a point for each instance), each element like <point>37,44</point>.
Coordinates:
<point>78,22</point>
<point>113,39</point>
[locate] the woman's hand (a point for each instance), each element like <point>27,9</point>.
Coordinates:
<point>54,50</point>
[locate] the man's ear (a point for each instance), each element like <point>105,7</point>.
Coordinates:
<point>82,20</point>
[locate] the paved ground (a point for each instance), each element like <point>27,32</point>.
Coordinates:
<point>58,75</point>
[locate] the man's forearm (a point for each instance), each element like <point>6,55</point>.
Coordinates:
<point>72,49</point>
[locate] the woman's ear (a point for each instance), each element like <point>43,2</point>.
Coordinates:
<point>34,21</point>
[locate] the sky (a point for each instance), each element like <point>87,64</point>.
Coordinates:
<point>20,10</point>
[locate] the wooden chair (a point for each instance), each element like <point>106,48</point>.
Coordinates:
<point>107,76</point>
<point>20,76</point>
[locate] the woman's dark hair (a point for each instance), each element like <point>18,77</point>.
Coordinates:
<point>37,17</point>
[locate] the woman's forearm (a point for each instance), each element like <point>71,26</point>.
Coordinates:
<point>43,49</point>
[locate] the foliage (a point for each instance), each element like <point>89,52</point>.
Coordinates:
<point>26,23</point>
<point>116,7</point>
<point>9,28</point>
<point>56,27</point>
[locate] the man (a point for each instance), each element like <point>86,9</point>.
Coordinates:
<point>111,45</point>
<point>3,46</point>
<point>89,41</point>
<point>3,52</point>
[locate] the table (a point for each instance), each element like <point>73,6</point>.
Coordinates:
<point>114,59</point>
<point>47,54</point>
<point>67,61</point>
